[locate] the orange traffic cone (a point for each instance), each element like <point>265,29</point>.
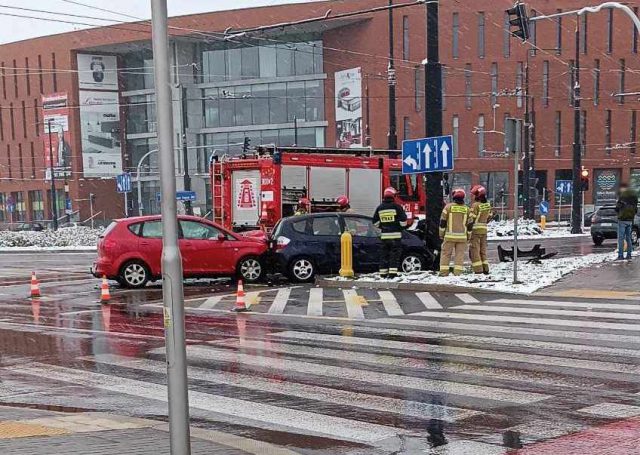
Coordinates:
<point>35,286</point>
<point>240,305</point>
<point>105,296</point>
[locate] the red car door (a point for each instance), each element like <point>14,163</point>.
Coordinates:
<point>207,249</point>
<point>150,245</point>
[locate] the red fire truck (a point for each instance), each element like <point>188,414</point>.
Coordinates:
<point>255,191</point>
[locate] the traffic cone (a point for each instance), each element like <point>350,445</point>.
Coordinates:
<point>35,286</point>
<point>240,305</point>
<point>105,296</point>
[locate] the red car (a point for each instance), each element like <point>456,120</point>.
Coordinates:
<point>130,251</point>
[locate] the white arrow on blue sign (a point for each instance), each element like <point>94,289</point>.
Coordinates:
<point>564,186</point>
<point>431,154</point>
<point>123,183</point>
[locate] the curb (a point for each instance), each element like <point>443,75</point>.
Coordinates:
<point>413,287</point>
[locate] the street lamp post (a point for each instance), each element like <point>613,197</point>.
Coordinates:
<point>139,181</point>
<point>54,199</point>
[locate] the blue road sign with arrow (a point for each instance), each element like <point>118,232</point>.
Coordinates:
<point>123,183</point>
<point>431,154</point>
<point>564,186</point>
<point>544,208</point>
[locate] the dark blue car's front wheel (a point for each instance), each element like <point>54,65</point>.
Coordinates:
<point>413,262</point>
<point>302,270</point>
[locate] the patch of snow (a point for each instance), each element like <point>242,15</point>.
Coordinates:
<point>533,277</point>
<point>71,238</point>
<point>527,229</point>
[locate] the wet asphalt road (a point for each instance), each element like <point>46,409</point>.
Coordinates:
<point>326,371</point>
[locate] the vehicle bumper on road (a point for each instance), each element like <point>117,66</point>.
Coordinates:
<point>606,232</point>
<point>102,268</point>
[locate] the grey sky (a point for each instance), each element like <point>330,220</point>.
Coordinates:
<point>15,28</point>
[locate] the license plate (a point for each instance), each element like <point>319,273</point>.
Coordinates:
<point>607,225</point>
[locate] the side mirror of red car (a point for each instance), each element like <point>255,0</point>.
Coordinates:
<point>221,237</point>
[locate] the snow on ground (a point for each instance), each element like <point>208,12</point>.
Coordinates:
<point>527,229</point>
<point>532,276</point>
<point>71,238</point>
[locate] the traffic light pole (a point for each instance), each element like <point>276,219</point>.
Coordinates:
<point>576,222</point>
<point>185,152</point>
<point>433,119</point>
<point>54,196</point>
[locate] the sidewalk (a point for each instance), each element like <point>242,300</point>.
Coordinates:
<point>614,280</point>
<point>26,431</point>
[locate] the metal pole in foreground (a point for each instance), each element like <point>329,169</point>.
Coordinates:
<point>576,222</point>
<point>172,290</point>
<point>515,217</point>
<point>54,196</point>
<point>392,139</point>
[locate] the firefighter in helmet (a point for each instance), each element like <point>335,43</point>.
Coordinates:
<point>455,225</point>
<point>343,204</point>
<point>391,219</point>
<point>304,207</point>
<point>481,213</point>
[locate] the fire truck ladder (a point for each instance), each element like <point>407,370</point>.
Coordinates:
<point>218,194</point>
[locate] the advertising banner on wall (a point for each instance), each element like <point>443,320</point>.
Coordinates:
<point>97,72</point>
<point>101,138</point>
<point>55,114</point>
<point>348,103</point>
<point>606,182</point>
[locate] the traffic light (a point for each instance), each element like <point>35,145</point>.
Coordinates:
<point>584,180</point>
<point>246,144</point>
<point>519,22</point>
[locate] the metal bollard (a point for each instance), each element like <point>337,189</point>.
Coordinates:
<point>543,222</point>
<point>346,255</point>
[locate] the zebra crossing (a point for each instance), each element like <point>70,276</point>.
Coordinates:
<point>356,304</point>
<point>543,375</point>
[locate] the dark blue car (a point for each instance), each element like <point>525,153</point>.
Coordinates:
<point>310,244</point>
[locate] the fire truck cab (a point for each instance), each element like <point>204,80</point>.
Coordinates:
<point>255,191</point>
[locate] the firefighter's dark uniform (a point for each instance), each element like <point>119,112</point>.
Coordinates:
<point>391,219</point>
<point>455,223</point>
<point>481,212</point>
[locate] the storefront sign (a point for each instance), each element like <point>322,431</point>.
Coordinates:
<point>606,182</point>
<point>348,96</point>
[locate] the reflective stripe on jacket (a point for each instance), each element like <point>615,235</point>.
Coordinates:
<point>453,222</point>
<point>391,219</point>
<point>481,212</point>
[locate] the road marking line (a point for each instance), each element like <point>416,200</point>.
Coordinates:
<point>390,303</point>
<point>311,423</point>
<point>529,320</point>
<point>344,373</point>
<point>280,301</point>
<point>450,351</point>
<point>428,301</point>
<point>68,313</point>
<point>213,301</point>
<point>252,298</point>
<point>613,410</point>
<point>584,314</point>
<point>555,303</point>
<point>352,301</point>
<point>314,307</point>
<point>596,294</point>
<point>307,391</point>
<point>467,298</point>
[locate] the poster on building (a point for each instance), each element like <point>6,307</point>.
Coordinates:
<point>101,137</point>
<point>348,102</point>
<point>97,72</point>
<point>57,145</point>
<point>606,182</point>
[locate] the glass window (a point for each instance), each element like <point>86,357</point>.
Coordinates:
<point>559,33</point>
<point>455,29</point>
<point>455,128</point>
<point>278,102</point>
<point>227,107</point>
<point>545,82</point>
<point>405,37</point>
<point>295,101</point>
<point>325,225</point>
<point>418,81</point>
<point>135,228</point>
<point>558,126</point>
<point>480,134</point>
<point>607,131</point>
<point>136,149</point>
<point>303,54</point>
<point>211,106</point>
<point>234,63</point>
<point>506,37</point>
<point>236,141</point>
<point>270,137</point>
<point>260,104</point>
<point>360,227</point>
<point>250,62</point>
<point>462,180</point>
<point>497,185</point>
<point>406,184</point>
<point>633,131</point>
<point>152,229</point>
<point>306,137</point>
<point>284,60</point>
<point>267,57</point>
<point>214,65</point>
<point>481,35</point>
<point>467,85</point>
<point>318,57</point>
<point>314,91</point>
<point>494,83</point>
<point>37,205</point>
<point>2,207</point>
<point>193,230</point>
<point>300,226</point>
<point>141,114</point>
<point>286,137</point>
<point>242,96</point>
<point>596,82</point>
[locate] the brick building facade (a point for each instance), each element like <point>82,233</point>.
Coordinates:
<point>269,84</point>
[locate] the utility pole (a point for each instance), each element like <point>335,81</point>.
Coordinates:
<point>172,284</point>
<point>527,203</point>
<point>391,80</point>
<point>185,152</point>
<point>433,120</point>
<point>576,217</point>
<point>54,196</point>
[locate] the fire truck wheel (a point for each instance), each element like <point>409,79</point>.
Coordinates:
<point>413,262</point>
<point>302,270</point>
<point>250,269</point>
